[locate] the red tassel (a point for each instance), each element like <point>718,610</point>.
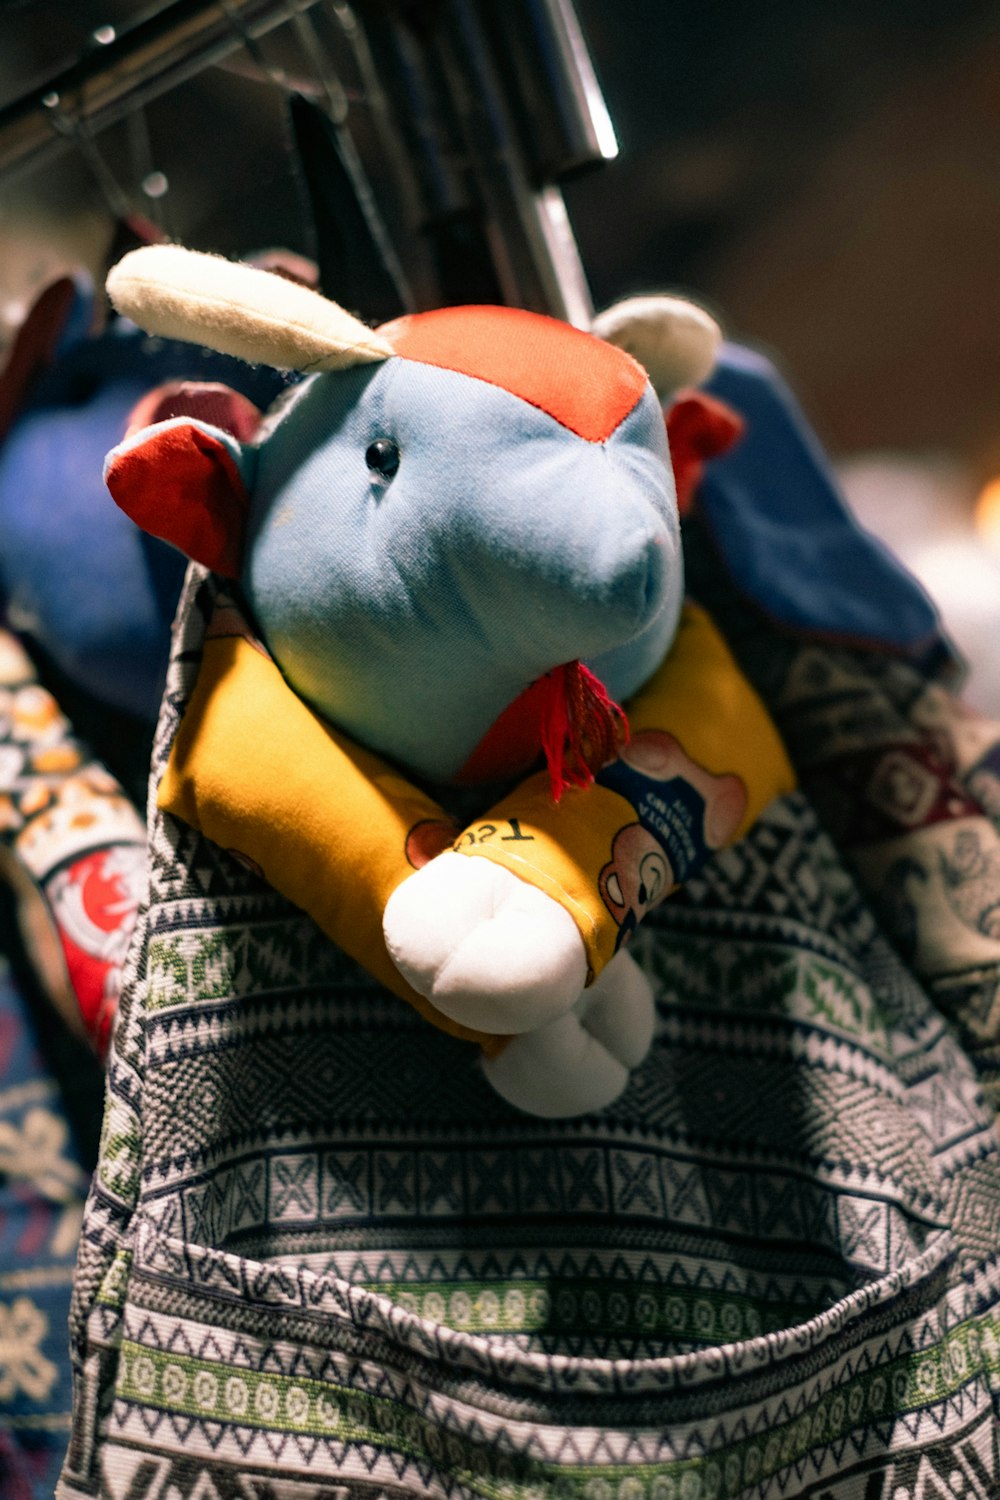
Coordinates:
<point>581,726</point>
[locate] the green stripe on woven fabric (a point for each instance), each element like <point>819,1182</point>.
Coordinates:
<point>194,965</point>
<point>121,1151</point>
<point>783,981</point>
<point>232,1394</point>
<point>586,1305</point>
<point>114,1287</point>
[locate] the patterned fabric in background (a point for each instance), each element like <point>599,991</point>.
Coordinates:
<point>322,1259</point>
<point>42,1190</point>
<point>907,782</point>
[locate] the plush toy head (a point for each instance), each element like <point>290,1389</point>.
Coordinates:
<point>441,514</point>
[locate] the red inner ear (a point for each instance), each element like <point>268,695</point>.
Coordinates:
<point>182,484</point>
<point>208,400</point>
<point>699,428</point>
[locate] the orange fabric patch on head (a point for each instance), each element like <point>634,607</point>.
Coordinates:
<point>587,385</point>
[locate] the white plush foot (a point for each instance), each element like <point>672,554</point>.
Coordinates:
<point>558,1071</point>
<point>618,1010</point>
<point>580,1062</point>
<point>486,948</point>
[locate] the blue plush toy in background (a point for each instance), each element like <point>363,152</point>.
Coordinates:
<point>93,598</point>
<point>77,579</point>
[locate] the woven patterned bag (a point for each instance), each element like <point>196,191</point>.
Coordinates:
<point>321,1258</point>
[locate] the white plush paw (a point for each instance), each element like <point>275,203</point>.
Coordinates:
<point>580,1062</point>
<point>618,1010</point>
<point>487,949</point>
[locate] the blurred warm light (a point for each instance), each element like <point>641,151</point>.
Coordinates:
<point>963,580</point>
<point>926,509</point>
<point>987,513</point>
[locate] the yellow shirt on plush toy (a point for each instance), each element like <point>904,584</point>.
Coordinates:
<point>702,762</point>
<point>336,829</point>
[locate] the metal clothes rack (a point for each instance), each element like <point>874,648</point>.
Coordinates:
<point>495,105</point>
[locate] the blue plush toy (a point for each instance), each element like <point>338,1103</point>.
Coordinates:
<point>458,541</point>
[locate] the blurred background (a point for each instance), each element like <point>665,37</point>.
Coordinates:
<point>824,176</point>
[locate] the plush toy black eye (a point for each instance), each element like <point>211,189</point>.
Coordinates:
<point>383,457</point>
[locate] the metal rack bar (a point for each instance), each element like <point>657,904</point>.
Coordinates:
<point>124,70</point>
<point>506,105</point>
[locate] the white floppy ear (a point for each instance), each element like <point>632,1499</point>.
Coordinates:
<point>240,310</point>
<point>674,340</point>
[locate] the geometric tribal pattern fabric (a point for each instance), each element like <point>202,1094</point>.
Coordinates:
<point>323,1259</point>
<point>907,782</point>
<point>42,1190</point>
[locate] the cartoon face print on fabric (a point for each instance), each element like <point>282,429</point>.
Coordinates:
<point>685,812</point>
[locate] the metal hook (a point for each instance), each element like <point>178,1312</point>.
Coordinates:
<point>72,128</point>
<point>255,51</point>
<point>309,38</point>
<point>154,183</point>
<point>337,109</point>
